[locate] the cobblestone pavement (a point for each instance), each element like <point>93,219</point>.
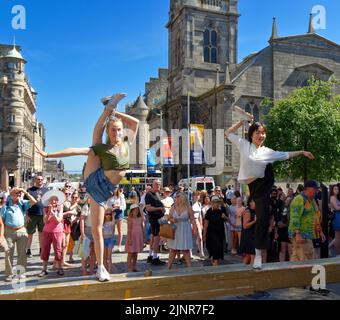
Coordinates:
<point>119,260</point>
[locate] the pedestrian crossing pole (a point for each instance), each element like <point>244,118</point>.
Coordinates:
<point>188,137</point>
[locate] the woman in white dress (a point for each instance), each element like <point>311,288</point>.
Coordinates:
<point>182,216</point>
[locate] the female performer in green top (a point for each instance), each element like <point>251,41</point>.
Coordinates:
<point>106,165</point>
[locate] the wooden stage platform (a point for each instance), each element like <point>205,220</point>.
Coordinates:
<point>187,284</point>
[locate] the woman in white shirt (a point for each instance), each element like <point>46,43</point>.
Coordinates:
<point>118,205</point>
<point>256,171</point>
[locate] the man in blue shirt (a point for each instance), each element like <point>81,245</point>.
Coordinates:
<point>13,214</point>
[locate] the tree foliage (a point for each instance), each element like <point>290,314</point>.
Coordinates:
<point>308,119</point>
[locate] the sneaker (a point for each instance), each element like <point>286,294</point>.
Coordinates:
<point>60,272</point>
<point>257,263</point>
<point>112,102</point>
<point>323,292</point>
<point>29,253</point>
<point>234,252</point>
<point>149,259</point>
<point>102,275</point>
<point>42,274</point>
<point>158,262</point>
<point>9,278</point>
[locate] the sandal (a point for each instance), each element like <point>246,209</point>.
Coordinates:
<point>42,274</point>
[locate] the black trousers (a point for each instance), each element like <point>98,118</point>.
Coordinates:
<point>260,191</point>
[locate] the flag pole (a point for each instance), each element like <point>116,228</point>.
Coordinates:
<point>189,160</point>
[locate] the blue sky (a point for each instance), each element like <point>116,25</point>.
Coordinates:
<point>79,51</point>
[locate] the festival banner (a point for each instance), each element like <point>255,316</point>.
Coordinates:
<point>151,160</point>
<point>197,143</point>
<point>168,159</point>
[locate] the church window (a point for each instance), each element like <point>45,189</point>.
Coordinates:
<point>228,153</point>
<point>210,46</point>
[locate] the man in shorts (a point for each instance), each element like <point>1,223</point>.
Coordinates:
<point>35,215</point>
<point>155,210</point>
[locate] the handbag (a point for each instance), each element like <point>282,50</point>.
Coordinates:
<point>167,231</point>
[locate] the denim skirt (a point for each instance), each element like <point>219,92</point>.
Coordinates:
<point>99,187</point>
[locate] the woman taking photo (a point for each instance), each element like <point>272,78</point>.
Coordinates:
<point>256,171</point>
<point>106,165</point>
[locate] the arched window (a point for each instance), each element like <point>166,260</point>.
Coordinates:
<point>210,46</point>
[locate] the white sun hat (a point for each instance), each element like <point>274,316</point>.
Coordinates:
<point>53,193</point>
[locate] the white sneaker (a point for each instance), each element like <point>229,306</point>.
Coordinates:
<point>257,263</point>
<point>102,275</point>
<point>112,102</point>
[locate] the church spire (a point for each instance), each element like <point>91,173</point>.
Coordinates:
<point>274,30</point>
<point>310,27</point>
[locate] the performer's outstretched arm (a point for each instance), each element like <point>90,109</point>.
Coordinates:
<point>70,152</point>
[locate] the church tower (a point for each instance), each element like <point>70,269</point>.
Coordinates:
<point>202,40</point>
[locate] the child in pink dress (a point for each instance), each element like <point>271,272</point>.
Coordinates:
<point>135,237</point>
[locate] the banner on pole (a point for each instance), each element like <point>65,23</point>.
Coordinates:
<point>151,160</point>
<point>197,143</point>
<point>168,159</point>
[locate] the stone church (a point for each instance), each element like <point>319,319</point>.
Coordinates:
<point>203,36</point>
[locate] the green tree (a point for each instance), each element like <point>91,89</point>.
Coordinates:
<point>308,119</point>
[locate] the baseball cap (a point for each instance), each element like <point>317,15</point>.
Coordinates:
<point>311,184</point>
<point>166,189</point>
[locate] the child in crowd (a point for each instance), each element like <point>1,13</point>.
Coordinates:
<point>238,221</point>
<point>108,234</point>
<point>135,236</point>
<point>53,232</point>
<point>248,233</point>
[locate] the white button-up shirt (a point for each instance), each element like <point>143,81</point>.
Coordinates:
<point>254,160</point>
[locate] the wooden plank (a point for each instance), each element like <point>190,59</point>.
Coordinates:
<point>196,283</point>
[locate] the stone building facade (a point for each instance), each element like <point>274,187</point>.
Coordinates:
<point>54,171</point>
<point>203,65</point>
<point>19,128</point>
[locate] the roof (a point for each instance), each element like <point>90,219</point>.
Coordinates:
<point>140,104</point>
<point>13,53</point>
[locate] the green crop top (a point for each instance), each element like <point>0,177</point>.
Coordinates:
<point>110,159</point>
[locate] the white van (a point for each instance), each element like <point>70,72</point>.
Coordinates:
<point>198,183</point>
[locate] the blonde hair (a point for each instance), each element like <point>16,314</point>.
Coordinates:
<point>185,199</point>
